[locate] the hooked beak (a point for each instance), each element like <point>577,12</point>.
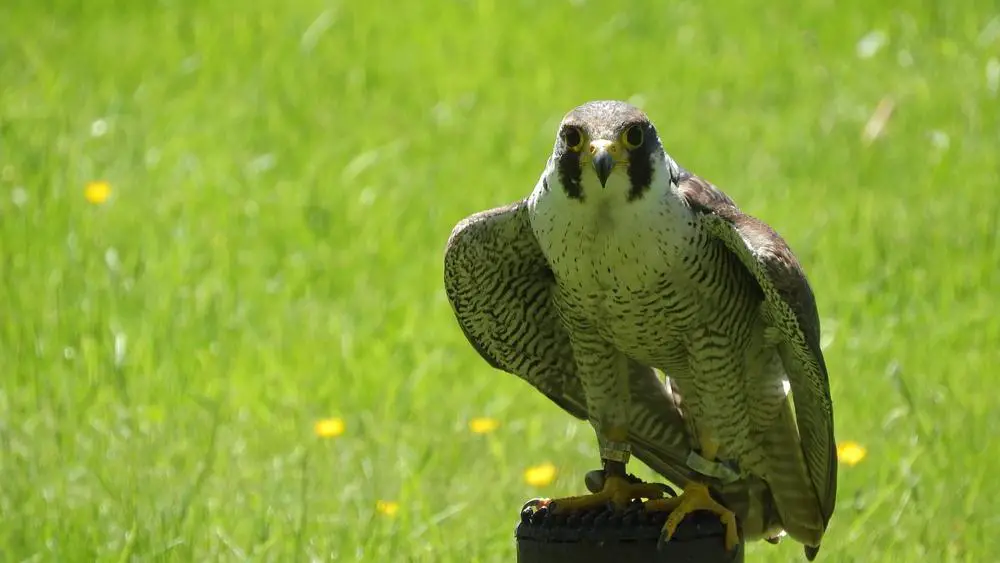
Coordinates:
<point>602,160</point>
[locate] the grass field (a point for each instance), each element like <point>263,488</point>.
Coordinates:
<point>283,177</point>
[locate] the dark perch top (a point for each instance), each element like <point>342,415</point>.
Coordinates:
<point>602,536</point>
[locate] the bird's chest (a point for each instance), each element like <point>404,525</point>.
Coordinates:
<point>612,263</point>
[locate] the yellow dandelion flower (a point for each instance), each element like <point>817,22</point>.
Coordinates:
<point>483,425</point>
<point>387,507</point>
<point>97,192</point>
<point>850,453</point>
<point>540,475</point>
<point>329,427</point>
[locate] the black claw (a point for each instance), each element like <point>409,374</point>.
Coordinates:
<point>666,489</point>
<point>532,504</point>
<point>540,515</point>
<point>526,515</point>
<point>661,543</point>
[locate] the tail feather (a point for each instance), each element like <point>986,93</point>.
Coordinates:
<point>794,495</point>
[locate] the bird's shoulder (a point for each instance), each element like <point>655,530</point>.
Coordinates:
<point>769,249</point>
<point>498,226</point>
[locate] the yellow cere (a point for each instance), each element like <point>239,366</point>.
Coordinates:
<point>97,192</point>
<point>329,427</point>
<point>387,507</point>
<point>850,453</point>
<point>540,475</point>
<point>483,425</point>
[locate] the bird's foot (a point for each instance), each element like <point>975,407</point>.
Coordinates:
<point>618,490</point>
<point>695,497</point>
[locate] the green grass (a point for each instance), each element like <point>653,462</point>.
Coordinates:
<point>285,175</point>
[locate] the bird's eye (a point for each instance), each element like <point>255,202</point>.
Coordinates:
<point>632,137</point>
<point>573,138</point>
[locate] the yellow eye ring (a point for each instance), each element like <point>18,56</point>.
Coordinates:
<point>573,138</point>
<point>632,137</point>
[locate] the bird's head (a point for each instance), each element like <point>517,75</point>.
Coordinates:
<point>609,147</point>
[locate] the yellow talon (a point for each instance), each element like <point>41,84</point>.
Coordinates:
<point>695,497</point>
<point>617,489</point>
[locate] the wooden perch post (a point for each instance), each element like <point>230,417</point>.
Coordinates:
<point>603,536</point>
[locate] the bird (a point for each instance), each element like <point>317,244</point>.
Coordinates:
<point>620,267</point>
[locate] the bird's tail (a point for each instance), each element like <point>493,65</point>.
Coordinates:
<point>795,498</point>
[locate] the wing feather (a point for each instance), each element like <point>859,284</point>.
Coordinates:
<point>499,287</point>
<point>790,307</point>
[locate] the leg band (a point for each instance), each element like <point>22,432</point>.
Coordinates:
<point>616,451</point>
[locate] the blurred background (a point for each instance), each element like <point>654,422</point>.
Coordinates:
<point>223,331</point>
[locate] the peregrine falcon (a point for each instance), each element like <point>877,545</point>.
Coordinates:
<point>620,262</point>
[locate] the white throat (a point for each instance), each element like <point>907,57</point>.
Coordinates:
<point>604,240</point>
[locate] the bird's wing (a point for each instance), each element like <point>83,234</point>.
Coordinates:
<point>500,285</point>
<point>791,308</point>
